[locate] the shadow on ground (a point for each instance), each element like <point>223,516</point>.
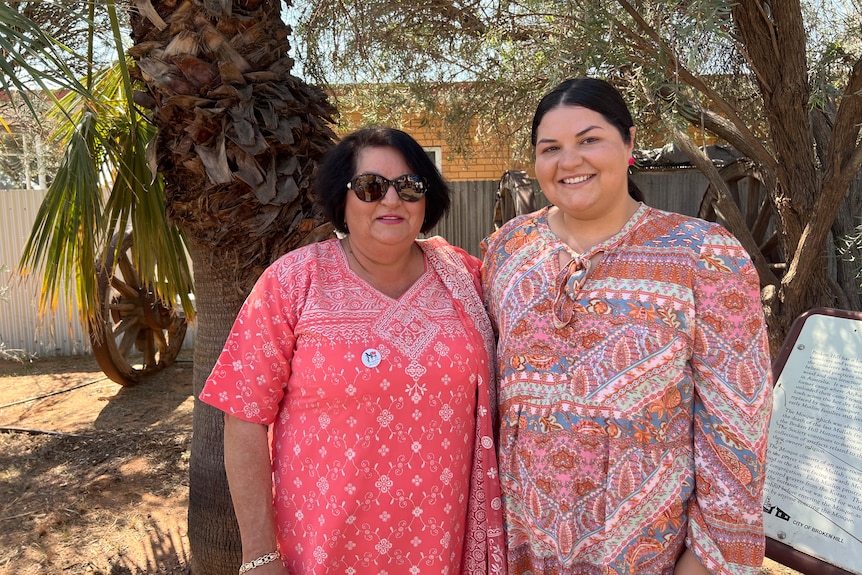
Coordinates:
<point>93,476</point>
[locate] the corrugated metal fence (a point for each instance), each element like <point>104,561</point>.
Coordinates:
<point>21,327</point>
<point>471,217</point>
<point>468,222</point>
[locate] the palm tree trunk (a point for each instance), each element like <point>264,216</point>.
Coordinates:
<point>213,531</point>
<point>238,140</point>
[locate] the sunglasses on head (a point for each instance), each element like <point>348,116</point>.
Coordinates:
<point>372,187</point>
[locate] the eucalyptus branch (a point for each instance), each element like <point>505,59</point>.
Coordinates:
<point>760,153</point>
<point>844,153</point>
<point>716,124</point>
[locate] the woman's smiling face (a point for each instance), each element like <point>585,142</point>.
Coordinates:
<point>582,162</point>
<point>389,222</point>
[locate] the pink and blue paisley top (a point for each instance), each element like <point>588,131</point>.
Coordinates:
<point>635,396</point>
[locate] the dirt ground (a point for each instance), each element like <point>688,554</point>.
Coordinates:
<point>94,476</point>
<point>98,482</point>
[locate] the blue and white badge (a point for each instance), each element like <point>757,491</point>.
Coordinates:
<point>371,357</point>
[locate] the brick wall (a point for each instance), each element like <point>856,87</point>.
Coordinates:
<point>483,157</point>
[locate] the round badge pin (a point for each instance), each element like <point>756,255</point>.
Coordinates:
<point>371,357</point>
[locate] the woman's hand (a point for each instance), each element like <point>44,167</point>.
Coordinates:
<point>689,565</point>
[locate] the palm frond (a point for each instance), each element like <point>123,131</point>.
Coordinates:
<point>32,59</point>
<point>69,224</point>
<point>137,201</point>
<point>102,187</point>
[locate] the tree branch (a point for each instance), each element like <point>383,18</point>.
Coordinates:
<point>718,125</point>
<point>843,161</point>
<point>758,152</point>
<point>845,134</point>
<point>728,208</point>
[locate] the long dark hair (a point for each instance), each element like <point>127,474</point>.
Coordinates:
<point>339,167</point>
<point>592,94</point>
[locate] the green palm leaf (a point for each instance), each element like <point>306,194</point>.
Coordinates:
<point>102,187</point>
<point>30,59</point>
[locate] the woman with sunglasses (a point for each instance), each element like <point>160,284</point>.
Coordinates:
<point>634,371</point>
<point>367,360</point>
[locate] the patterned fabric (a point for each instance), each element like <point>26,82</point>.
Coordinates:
<point>635,396</point>
<point>380,410</point>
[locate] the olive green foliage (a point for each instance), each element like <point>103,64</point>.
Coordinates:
<point>780,82</point>
<point>490,61</point>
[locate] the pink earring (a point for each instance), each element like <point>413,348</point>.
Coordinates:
<point>631,161</point>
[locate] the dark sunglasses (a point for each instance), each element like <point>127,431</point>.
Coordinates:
<point>372,188</point>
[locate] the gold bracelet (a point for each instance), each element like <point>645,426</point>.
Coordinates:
<point>268,558</point>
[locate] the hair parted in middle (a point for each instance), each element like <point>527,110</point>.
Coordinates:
<point>596,95</point>
<point>338,167</point>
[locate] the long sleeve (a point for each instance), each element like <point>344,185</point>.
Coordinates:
<point>732,407</point>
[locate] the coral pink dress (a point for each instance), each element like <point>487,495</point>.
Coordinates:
<point>376,430</point>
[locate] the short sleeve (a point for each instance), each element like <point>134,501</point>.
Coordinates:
<point>251,374</point>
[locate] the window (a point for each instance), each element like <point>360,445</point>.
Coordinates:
<point>21,162</point>
<point>435,154</point>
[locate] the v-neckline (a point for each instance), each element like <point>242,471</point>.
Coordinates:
<point>345,260</point>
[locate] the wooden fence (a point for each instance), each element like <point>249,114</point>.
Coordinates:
<point>472,215</point>
<point>469,221</point>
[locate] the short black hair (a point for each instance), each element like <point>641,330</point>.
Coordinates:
<point>338,167</point>
<point>596,95</point>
